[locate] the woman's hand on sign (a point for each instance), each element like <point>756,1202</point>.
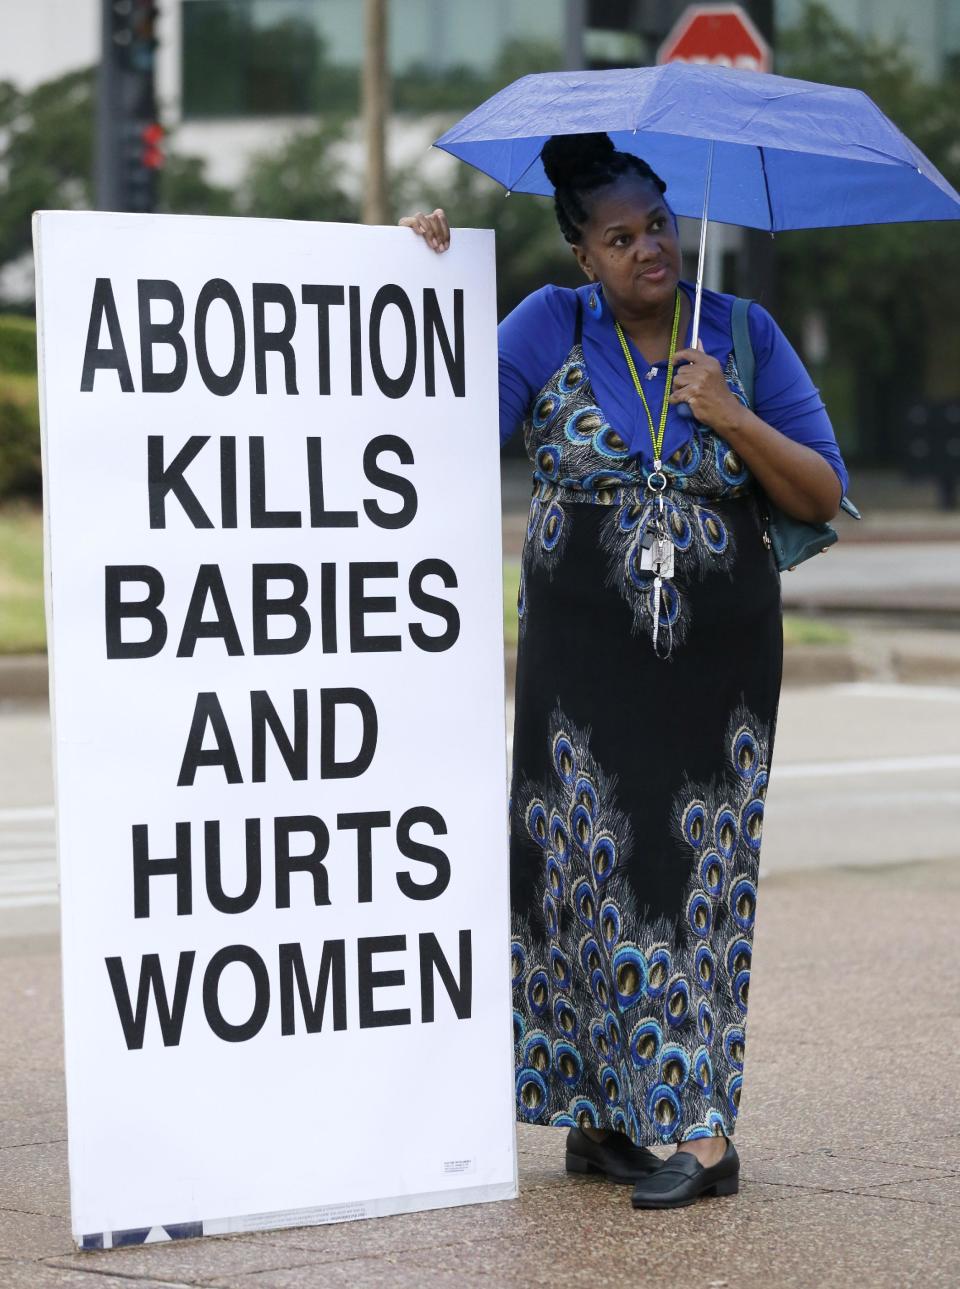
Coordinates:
<point>434,228</point>
<point>701,383</point>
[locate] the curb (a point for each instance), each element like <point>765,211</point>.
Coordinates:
<point>820,665</point>
<point>23,678</point>
<point>935,611</point>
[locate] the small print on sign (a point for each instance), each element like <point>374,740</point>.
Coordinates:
<point>458,1166</point>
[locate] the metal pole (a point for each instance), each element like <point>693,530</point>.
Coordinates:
<point>757,269</point>
<point>375,96</point>
<point>106,166</point>
<point>574,20</point>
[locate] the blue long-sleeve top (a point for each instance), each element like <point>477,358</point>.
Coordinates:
<point>536,337</point>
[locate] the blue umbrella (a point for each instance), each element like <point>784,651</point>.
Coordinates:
<point>738,147</point>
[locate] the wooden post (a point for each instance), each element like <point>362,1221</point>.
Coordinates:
<point>376,202</point>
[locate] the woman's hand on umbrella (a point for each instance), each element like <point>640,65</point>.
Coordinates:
<point>701,383</point>
<point>434,228</point>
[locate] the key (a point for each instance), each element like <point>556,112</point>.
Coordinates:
<point>658,557</point>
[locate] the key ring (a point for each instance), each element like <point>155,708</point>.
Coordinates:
<point>656,487</point>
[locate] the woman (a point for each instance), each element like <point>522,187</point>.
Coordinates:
<point>648,678</point>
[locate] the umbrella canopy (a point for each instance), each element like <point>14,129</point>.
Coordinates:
<point>785,153</point>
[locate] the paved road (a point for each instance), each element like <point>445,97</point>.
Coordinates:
<point>914,576</point>
<point>864,774</point>
<point>28,861</point>
<point>28,857</point>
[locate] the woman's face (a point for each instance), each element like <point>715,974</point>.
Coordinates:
<point>630,246</point>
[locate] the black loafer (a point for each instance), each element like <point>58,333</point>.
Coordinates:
<point>616,1157</point>
<point>683,1179</point>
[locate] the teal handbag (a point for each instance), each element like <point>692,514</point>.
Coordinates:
<point>793,540</point>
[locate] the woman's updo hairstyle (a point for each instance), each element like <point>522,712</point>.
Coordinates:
<point>576,164</point>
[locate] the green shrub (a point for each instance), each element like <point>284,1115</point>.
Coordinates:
<point>19,413</point>
<point>19,438</point>
<point>18,345</point>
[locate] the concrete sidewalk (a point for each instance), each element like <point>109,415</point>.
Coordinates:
<point>877,648</point>
<point>902,560</point>
<point>849,1136</point>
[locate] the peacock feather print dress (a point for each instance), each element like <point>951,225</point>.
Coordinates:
<point>638,780</point>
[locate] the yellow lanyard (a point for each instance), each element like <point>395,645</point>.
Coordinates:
<point>656,437</point>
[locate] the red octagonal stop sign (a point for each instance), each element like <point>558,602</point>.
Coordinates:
<point>719,34</point>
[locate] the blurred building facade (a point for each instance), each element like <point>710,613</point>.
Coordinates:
<point>237,75</point>
<point>45,38</point>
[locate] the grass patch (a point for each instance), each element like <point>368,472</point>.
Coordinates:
<point>22,625</point>
<point>19,435</point>
<point>798,630</point>
<point>18,344</point>
<point>511,586</point>
<point>19,388</point>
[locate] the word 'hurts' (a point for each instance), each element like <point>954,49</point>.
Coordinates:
<point>290,834</point>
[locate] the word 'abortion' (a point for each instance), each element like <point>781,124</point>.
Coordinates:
<point>370,329</point>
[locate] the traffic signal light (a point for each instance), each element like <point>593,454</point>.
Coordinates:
<point>140,159</point>
<point>133,37</point>
<point>151,137</point>
<point>130,42</point>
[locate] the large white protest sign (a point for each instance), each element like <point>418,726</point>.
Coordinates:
<point>274,598</point>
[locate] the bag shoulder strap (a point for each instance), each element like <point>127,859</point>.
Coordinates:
<point>578,325</point>
<point>743,346</point>
<point>747,366</point>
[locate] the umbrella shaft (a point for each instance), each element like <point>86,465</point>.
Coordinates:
<point>703,248</point>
